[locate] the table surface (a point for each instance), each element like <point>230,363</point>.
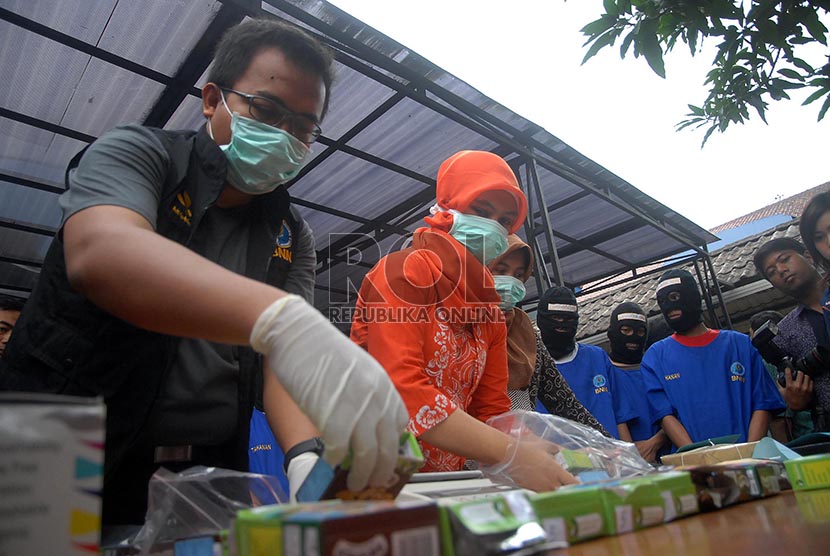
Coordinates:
<point>790,523</point>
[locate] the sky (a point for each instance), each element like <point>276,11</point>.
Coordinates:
<point>527,54</point>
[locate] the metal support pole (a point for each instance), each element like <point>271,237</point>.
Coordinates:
<point>718,292</point>
<point>704,287</point>
<point>533,182</point>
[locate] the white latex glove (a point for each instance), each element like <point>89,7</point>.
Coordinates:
<point>338,385</point>
<point>298,469</point>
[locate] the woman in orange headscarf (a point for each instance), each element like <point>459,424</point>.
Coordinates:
<point>429,314</point>
<point>528,361</point>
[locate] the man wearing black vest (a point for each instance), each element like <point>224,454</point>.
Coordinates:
<point>178,253</point>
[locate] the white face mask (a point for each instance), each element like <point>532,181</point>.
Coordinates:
<point>260,157</point>
<point>484,238</point>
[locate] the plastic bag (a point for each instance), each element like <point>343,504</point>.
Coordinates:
<point>581,450</point>
<point>201,501</point>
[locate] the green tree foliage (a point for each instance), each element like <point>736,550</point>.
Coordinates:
<point>757,58</point>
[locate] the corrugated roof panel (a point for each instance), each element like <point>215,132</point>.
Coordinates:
<point>108,96</point>
<point>188,115</point>
<point>323,224</point>
<point>23,245</point>
<point>172,27</point>
<point>583,266</point>
<point>361,188</point>
<point>639,245</point>
<point>353,97</point>
<point>17,276</point>
<point>587,216</point>
<point>24,90</point>
<point>34,153</point>
<point>81,19</point>
<point>417,138</point>
<point>29,206</point>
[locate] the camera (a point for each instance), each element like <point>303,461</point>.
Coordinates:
<point>812,364</point>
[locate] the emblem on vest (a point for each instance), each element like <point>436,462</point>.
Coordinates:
<point>600,384</point>
<point>181,207</point>
<point>282,250</point>
<point>673,376</point>
<point>738,371</point>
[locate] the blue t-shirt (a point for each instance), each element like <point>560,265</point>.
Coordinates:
<point>712,388</point>
<point>590,375</point>
<point>265,456</point>
<point>632,387</point>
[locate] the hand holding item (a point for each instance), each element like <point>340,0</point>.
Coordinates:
<point>798,391</point>
<point>339,386</point>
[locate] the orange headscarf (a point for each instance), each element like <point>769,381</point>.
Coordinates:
<point>466,175</point>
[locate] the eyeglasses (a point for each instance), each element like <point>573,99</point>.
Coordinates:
<point>275,113</point>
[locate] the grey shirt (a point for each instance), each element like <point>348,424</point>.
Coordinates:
<point>127,168</point>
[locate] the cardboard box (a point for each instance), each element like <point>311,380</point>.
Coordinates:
<point>572,515</point>
<point>51,473</point>
<point>492,525</point>
<point>631,506</point>
<point>719,486</point>
<point>711,455</point>
<point>372,528</point>
<point>325,482</point>
<point>809,472</point>
<point>258,531</point>
<point>676,489</point>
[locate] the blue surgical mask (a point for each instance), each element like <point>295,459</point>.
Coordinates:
<point>510,289</point>
<point>484,238</point>
<point>260,156</point>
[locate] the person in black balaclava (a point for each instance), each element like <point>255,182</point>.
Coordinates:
<point>703,383</point>
<point>586,368</point>
<point>628,333</point>
<point>557,317</point>
<point>679,300</point>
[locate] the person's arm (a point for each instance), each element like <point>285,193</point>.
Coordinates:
<point>532,467</point>
<point>648,448</point>
<point>116,260</point>
<point>758,425</point>
<point>623,433</point>
<point>290,427</point>
<point>287,421</point>
<point>300,278</point>
<point>555,393</point>
<point>675,431</point>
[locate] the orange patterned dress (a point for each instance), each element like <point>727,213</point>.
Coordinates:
<point>428,314</point>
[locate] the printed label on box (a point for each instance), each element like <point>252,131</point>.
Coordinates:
<point>624,518</point>
<point>416,542</point>
<point>650,515</point>
<point>555,529</point>
<point>588,525</point>
<point>668,503</point>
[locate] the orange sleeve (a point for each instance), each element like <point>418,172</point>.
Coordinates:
<point>490,398</point>
<point>394,316</point>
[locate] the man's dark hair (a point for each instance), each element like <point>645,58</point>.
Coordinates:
<point>242,42</point>
<point>774,246</point>
<point>9,303</point>
<point>817,206</point>
<point>758,319</point>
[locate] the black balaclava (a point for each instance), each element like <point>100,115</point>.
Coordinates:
<point>680,281</point>
<point>631,315</point>
<point>558,301</point>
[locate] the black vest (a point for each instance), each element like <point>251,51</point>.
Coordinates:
<point>64,344</point>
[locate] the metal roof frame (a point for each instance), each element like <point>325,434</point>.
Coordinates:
<point>407,76</point>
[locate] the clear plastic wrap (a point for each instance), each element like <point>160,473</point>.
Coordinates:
<point>201,501</point>
<point>582,451</point>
